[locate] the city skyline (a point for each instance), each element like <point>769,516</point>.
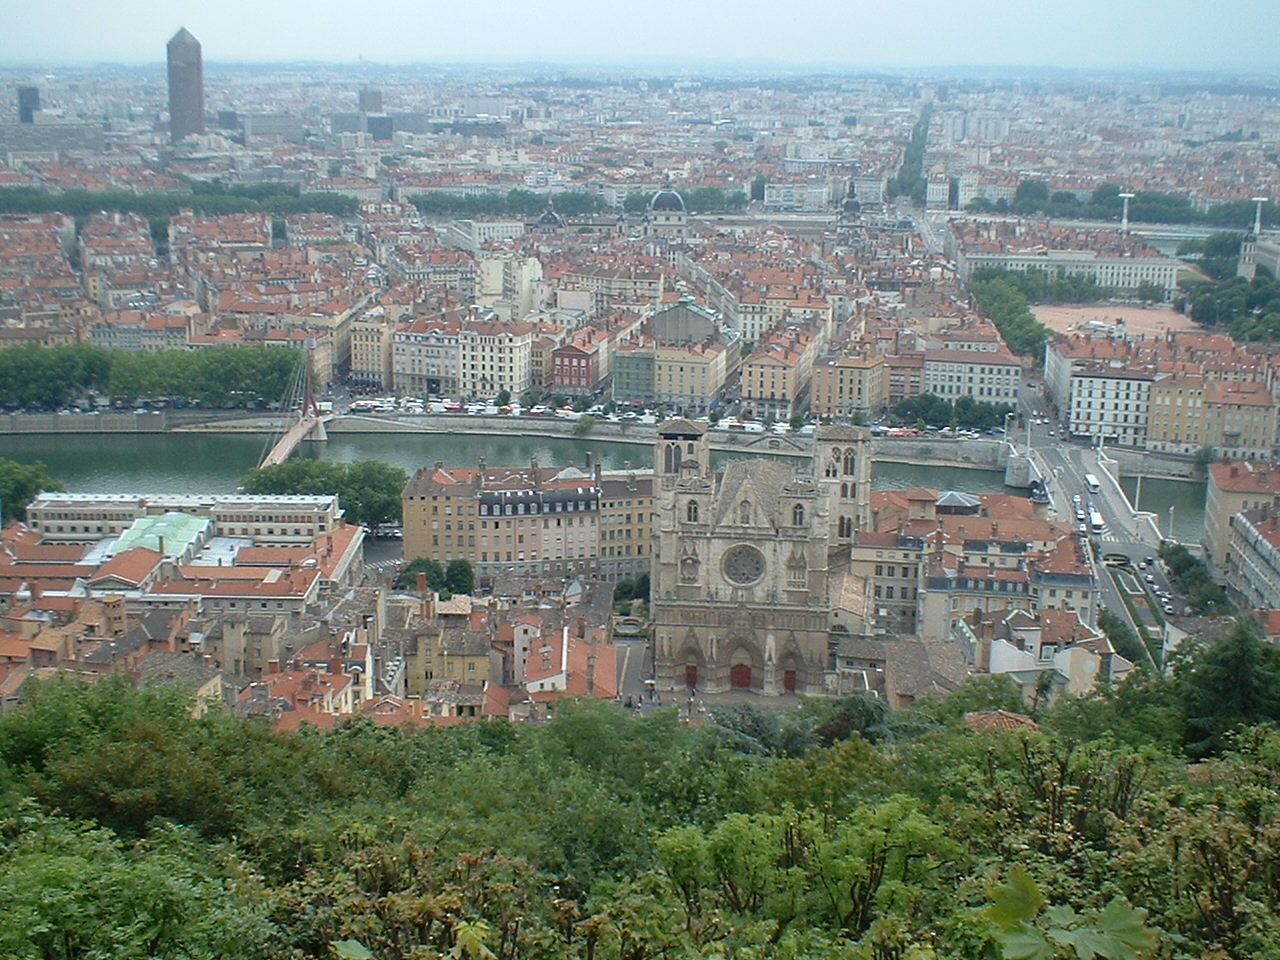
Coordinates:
<point>1090,35</point>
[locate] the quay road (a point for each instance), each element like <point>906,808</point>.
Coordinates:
<point>1064,464</point>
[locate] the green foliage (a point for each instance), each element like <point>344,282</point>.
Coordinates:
<point>75,891</point>
<point>1147,206</point>
<point>965,413</point>
<point>1118,932</point>
<point>1218,254</point>
<point>277,199</point>
<point>46,378</point>
<point>584,425</point>
<point>19,484</point>
<point>460,577</point>
<point>1234,683</point>
<point>408,579</point>
<point>840,828</point>
<point>1250,309</point>
<point>1122,637</point>
<point>1191,575</point>
<point>368,490</point>
<point>1006,305</point>
<point>910,181</point>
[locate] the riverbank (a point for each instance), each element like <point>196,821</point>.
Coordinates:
<point>979,454</point>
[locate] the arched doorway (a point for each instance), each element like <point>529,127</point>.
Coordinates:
<point>740,676</point>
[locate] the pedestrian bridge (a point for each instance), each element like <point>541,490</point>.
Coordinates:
<point>308,428</point>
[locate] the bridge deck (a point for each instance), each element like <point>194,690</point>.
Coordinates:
<point>287,444</point>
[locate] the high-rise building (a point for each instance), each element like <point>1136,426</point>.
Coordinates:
<point>28,104</point>
<point>186,86</point>
<point>370,100</point>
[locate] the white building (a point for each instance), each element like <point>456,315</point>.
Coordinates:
<point>1110,403</point>
<point>494,356</point>
<point>992,377</point>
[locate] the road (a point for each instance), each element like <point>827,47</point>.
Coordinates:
<point>1064,464</point>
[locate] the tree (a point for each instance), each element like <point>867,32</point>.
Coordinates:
<point>1232,683</point>
<point>584,425</point>
<point>19,484</point>
<point>1117,932</point>
<point>368,490</point>
<point>435,574</point>
<point>460,577</point>
<point>1149,292</point>
<point>503,398</point>
<point>71,890</point>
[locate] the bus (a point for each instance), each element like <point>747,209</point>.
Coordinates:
<point>1091,482</point>
<point>1095,521</point>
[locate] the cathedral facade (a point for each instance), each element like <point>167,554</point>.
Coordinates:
<point>740,594</point>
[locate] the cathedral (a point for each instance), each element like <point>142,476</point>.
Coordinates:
<point>740,593</point>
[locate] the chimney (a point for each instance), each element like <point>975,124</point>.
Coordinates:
<point>582,627</point>
<point>422,583</point>
<point>335,666</point>
<point>590,461</point>
<point>273,666</point>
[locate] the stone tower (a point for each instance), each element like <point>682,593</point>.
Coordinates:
<point>842,462</point>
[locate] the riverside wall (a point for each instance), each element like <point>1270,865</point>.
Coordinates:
<point>984,453</point>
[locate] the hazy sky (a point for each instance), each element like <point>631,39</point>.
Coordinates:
<point>1229,35</point>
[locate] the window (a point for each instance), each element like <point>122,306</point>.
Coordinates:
<point>691,512</point>
<point>797,515</point>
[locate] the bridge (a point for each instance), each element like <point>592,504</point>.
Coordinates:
<point>310,427</point>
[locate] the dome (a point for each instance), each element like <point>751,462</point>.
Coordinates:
<point>668,201</point>
<point>550,218</point>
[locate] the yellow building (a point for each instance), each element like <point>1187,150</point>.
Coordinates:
<point>844,386</point>
<point>626,524</point>
<point>1175,414</point>
<point>1235,486</point>
<point>1240,420</point>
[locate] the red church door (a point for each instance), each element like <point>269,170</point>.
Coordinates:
<point>691,675</point>
<point>789,681</point>
<point>740,676</point>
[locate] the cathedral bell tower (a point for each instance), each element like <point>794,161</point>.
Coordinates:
<point>682,451</point>
<point>842,465</point>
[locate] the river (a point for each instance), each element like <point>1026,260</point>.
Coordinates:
<point>1184,496</point>
<point>215,463</point>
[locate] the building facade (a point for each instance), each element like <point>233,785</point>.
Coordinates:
<point>740,571</point>
<point>186,86</point>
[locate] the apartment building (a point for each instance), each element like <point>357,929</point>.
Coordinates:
<point>1253,560</point>
<point>1239,420</point>
<point>778,371</point>
<point>372,336</point>
<point>494,356</point>
<point>935,558</point>
<point>987,376</point>
<point>847,386</point>
<point>425,356</point>
<point>1109,403</point>
<point>1235,485</point>
<point>505,520</point>
<point>275,520</point>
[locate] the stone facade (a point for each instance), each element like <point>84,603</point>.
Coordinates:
<point>740,571</point>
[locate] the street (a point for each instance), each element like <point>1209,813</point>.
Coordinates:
<point>1064,464</point>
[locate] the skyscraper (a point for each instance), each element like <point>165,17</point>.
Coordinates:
<point>28,104</point>
<point>186,86</point>
<point>370,100</point>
